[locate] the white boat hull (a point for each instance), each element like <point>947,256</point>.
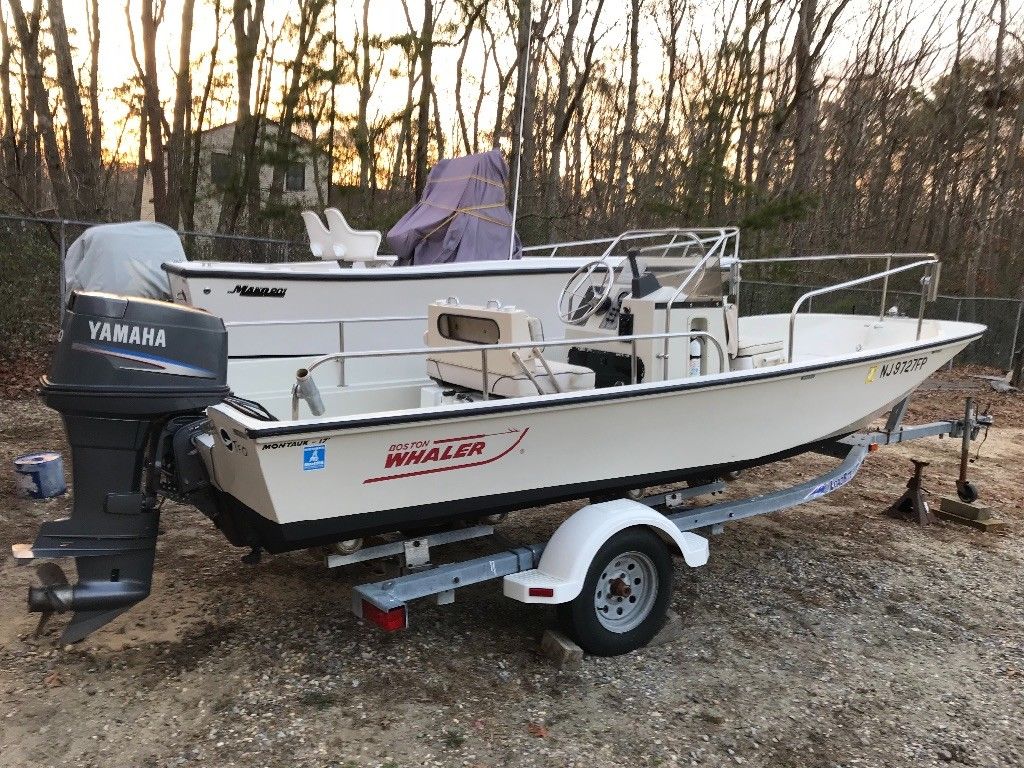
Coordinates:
<point>407,467</point>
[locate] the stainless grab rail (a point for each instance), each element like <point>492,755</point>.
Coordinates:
<point>717,234</point>
<point>485,348</point>
<point>699,267</point>
<point>851,257</point>
<point>926,282</point>
<point>324,321</point>
<point>550,250</point>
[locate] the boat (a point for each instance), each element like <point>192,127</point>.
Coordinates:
<point>659,381</point>
<point>306,308</point>
<point>454,242</point>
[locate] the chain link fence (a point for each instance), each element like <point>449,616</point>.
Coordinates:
<point>199,246</point>
<point>32,257</point>
<point>32,262</point>
<point>1004,317</point>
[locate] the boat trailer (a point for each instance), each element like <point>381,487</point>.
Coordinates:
<point>576,547</point>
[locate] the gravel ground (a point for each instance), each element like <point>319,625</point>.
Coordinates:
<point>828,635</point>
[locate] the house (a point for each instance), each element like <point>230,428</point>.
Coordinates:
<point>306,178</point>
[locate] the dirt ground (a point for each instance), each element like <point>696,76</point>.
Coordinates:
<point>827,635</point>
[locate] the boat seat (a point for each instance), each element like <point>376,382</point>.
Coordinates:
<point>750,347</point>
<point>321,245</point>
<point>570,378</point>
<point>758,353</point>
<point>356,245</point>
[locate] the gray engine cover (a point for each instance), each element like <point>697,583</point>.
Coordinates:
<point>139,348</point>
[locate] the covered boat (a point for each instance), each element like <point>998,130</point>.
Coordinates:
<point>462,216</point>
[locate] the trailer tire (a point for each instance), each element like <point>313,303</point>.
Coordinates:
<point>610,616</point>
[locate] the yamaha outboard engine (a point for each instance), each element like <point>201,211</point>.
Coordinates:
<point>124,368</point>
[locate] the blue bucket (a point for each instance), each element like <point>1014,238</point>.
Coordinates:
<point>39,475</point>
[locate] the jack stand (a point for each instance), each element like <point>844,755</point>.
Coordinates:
<point>913,505</point>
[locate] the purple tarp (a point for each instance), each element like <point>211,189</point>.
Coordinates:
<point>462,215</point>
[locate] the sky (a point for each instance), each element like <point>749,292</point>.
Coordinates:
<point>386,18</point>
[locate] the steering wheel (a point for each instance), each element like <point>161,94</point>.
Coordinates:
<point>582,296</point>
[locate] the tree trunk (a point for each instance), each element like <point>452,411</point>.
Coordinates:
<point>805,99</point>
<point>402,144</point>
<point>363,75</point>
<point>626,160</point>
<point>426,48</point>
<point>567,102</point>
<point>28,35</point>
<point>94,80</point>
<point>247,19</point>
<point>81,164</point>
<point>333,99</point>
<point>154,111</point>
<point>982,219</point>
<point>9,148</point>
<point>550,207</point>
<point>141,165</point>
<point>188,204</point>
<point>522,86</point>
<point>671,42</point>
<point>309,15</point>
<point>178,159</point>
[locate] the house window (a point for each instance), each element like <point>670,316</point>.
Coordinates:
<point>220,168</point>
<point>296,178</point>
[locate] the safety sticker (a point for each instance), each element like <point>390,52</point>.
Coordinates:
<point>832,485</point>
<point>314,457</point>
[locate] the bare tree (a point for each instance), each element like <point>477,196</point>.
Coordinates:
<point>178,157</point>
<point>628,136</point>
<point>309,16</point>
<point>152,17</point>
<point>426,53</point>
<point>95,118</point>
<point>9,148</point>
<point>247,20</point>
<point>27,27</point>
<point>82,165</point>
<point>188,203</point>
<point>364,72</point>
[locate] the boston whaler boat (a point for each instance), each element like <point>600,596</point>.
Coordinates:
<point>660,382</point>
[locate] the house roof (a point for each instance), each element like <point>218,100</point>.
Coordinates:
<point>266,121</point>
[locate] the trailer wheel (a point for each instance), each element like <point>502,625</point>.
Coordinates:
<point>625,595</point>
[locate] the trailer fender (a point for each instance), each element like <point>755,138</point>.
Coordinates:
<point>558,577</point>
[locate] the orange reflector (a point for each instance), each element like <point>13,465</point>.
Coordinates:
<point>872,447</point>
<point>389,621</point>
<point>542,592</point>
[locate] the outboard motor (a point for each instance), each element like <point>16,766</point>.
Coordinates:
<point>123,369</point>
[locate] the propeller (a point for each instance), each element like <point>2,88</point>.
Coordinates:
<point>50,576</point>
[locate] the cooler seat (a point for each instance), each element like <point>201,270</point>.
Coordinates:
<point>570,378</point>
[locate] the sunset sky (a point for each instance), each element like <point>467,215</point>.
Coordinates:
<point>386,19</point>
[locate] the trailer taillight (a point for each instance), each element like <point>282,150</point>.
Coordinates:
<point>542,592</point>
<point>389,621</point>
